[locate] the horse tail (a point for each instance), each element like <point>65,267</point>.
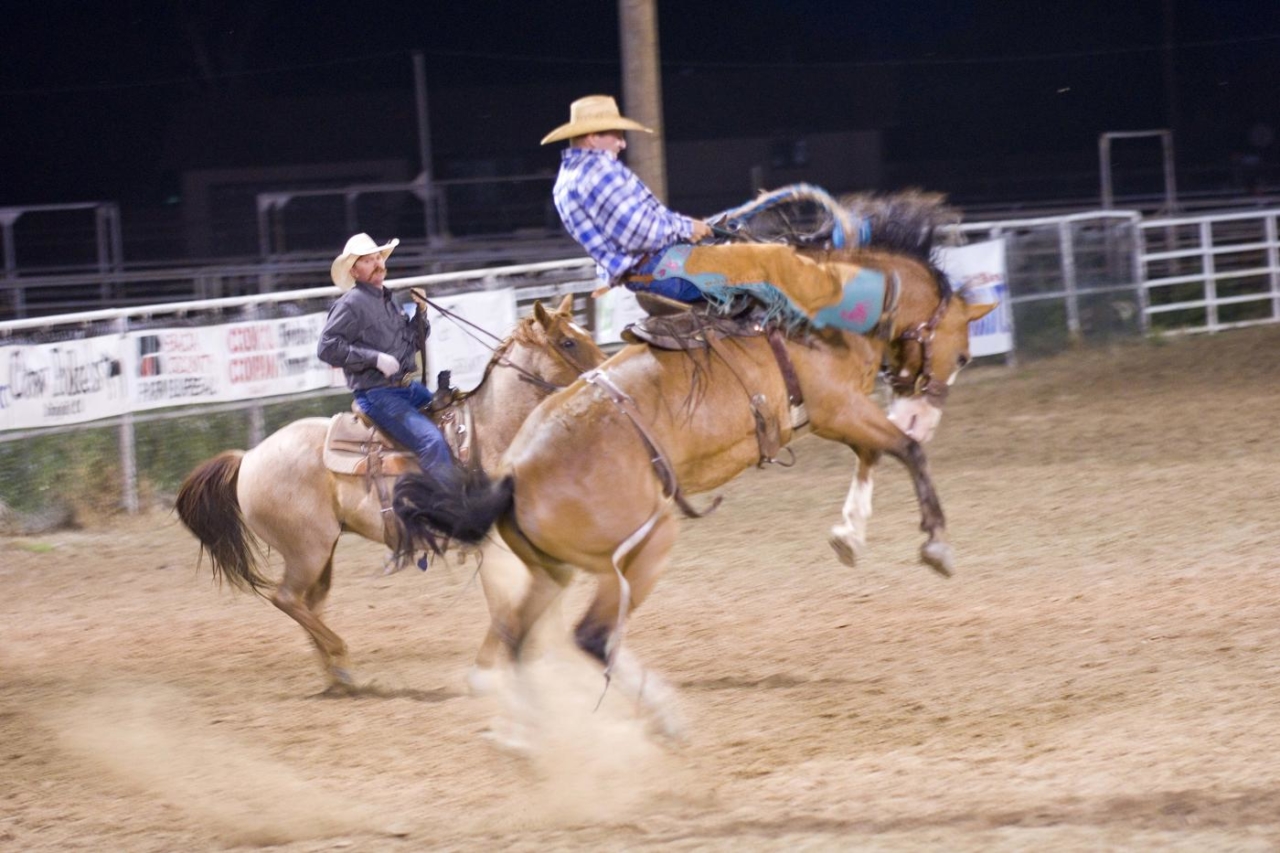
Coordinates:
<point>434,507</point>
<point>208,506</point>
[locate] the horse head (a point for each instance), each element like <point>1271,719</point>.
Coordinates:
<point>929,340</point>
<point>550,345</point>
<point>924,360</point>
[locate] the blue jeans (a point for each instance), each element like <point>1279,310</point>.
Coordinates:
<point>396,411</point>
<point>672,288</point>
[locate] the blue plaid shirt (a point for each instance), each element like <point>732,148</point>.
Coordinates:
<point>611,213</point>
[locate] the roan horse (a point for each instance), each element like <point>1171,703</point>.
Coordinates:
<point>281,492</point>
<point>590,480</point>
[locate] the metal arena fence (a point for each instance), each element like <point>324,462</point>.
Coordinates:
<point>1078,279</point>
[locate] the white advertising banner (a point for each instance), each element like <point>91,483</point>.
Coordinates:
<point>979,270</point>
<point>458,347</point>
<point>78,381</point>
<point>615,310</point>
<point>239,361</point>
<point>64,383</point>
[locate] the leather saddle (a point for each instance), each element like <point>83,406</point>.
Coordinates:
<point>675,325</point>
<point>354,444</point>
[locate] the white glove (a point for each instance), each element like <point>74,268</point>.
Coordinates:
<point>388,365</point>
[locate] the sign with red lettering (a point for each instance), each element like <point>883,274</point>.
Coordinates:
<point>262,358</point>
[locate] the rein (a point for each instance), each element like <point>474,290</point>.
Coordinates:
<point>462,321</point>
<point>499,352</point>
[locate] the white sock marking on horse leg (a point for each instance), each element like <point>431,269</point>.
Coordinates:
<point>856,511</point>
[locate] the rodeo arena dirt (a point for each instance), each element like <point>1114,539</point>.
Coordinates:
<point>1101,673</point>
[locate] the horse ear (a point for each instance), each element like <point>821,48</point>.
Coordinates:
<point>540,314</point>
<point>566,304</point>
<point>982,309</point>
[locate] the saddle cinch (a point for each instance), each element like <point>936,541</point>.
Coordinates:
<point>354,445</point>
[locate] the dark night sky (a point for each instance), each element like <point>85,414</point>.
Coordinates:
<point>89,89</point>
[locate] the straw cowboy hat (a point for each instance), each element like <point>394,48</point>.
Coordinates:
<point>593,114</point>
<point>356,248</point>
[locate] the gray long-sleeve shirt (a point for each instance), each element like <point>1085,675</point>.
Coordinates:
<point>362,323</point>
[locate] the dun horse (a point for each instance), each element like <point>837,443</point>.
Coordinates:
<point>282,494</point>
<point>590,480</point>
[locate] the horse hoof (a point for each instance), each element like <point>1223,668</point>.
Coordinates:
<point>510,742</point>
<point>937,556</point>
<point>483,681</point>
<point>669,729</point>
<point>339,690</point>
<point>341,683</point>
<point>845,552</point>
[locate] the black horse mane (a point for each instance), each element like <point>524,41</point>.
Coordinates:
<point>904,222</point>
<point>907,223</point>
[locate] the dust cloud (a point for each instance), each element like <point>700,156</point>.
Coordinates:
<point>145,737</point>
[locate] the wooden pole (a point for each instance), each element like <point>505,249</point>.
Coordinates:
<point>642,91</point>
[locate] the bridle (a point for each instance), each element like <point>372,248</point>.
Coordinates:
<point>922,334</point>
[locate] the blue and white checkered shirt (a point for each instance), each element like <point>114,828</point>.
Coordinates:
<point>611,213</point>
